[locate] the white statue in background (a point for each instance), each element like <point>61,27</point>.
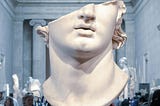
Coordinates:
<point>83,71</point>
<point>2,72</point>
<point>17,95</point>
<point>133,80</point>
<point>35,87</point>
<point>17,92</point>
<point>129,90</point>
<point>124,66</point>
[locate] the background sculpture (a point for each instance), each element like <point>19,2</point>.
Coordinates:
<point>124,66</point>
<point>35,87</point>
<point>17,92</point>
<point>2,73</point>
<point>130,88</point>
<point>83,72</point>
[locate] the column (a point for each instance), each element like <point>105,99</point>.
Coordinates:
<point>18,51</point>
<point>130,44</point>
<point>38,52</point>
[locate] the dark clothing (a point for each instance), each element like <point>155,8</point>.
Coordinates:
<point>156,98</point>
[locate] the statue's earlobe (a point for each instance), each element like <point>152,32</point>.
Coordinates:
<point>44,33</point>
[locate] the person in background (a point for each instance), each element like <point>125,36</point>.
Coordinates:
<point>8,102</point>
<point>1,98</point>
<point>156,98</point>
<point>28,100</point>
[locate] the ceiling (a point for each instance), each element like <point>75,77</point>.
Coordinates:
<point>131,2</point>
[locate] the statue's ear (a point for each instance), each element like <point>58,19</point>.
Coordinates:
<point>44,33</point>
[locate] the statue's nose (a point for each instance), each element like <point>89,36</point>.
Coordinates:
<point>87,13</point>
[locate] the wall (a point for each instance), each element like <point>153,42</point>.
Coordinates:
<point>148,40</point>
<point>6,33</point>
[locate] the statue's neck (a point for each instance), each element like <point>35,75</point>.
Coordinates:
<point>79,82</point>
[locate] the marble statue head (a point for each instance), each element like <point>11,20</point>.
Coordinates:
<point>80,47</point>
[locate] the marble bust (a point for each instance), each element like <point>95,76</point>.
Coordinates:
<point>83,71</point>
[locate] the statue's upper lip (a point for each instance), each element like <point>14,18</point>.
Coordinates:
<point>85,27</point>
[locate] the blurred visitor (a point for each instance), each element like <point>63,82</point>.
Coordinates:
<point>8,102</point>
<point>28,99</point>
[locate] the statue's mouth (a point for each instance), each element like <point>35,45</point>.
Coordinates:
<point>85,30</point>
<point>85,27</point>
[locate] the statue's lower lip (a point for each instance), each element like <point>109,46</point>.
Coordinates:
<point>86,28</point>
<point>85,33</point>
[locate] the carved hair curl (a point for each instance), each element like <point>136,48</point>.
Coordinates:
<point>119,36</point>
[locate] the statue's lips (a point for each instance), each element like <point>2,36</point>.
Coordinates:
<point>85,31</point>
<point>85,27</point>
